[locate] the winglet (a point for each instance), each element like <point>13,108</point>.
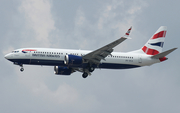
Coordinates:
<point>128,32</point>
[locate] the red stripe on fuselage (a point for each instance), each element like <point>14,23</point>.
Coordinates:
<point>159,35</point>
<point>29,50</point>
<point>150,51</point>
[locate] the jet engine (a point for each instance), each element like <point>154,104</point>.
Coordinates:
<point>73,60</point>
<point>62,70</point>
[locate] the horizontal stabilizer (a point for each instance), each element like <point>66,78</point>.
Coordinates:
<point>163,54</point>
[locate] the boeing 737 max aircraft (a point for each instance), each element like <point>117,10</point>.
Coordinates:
<point>66,61</point>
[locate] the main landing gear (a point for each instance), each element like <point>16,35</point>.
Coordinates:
<point>84,75</point>
<point>87,72</point>
<point>91,69</point>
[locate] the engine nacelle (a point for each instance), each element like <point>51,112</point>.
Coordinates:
<point>73,60</point>
<point>62,70</point>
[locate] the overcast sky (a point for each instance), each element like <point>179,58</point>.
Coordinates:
<point>88,24</point>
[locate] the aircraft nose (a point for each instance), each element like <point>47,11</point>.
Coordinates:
<point>8,56</point>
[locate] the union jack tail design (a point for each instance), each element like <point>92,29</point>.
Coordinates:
<point>155,44</point>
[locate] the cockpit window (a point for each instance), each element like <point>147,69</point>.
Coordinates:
<point>15,51</point>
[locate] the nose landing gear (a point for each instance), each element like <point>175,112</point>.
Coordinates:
<point>21,65</point>
<point>22,69</point>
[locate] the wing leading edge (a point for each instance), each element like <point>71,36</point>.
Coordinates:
<point>101,53</point>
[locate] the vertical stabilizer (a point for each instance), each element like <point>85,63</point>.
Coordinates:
<point>155,44</point>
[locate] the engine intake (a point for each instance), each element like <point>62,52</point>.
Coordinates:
<point>73,60</point>
<point>62,70</point>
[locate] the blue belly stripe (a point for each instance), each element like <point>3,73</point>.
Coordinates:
<point>61,63</point>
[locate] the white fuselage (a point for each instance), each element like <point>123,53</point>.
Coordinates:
<point>67,61</point>
<point>55,57</point>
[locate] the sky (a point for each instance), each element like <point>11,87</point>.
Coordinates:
<point>88,24</point>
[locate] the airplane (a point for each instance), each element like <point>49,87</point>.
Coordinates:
<point>68,61</point>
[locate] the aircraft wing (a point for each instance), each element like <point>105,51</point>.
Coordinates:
<point>101,53</point>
